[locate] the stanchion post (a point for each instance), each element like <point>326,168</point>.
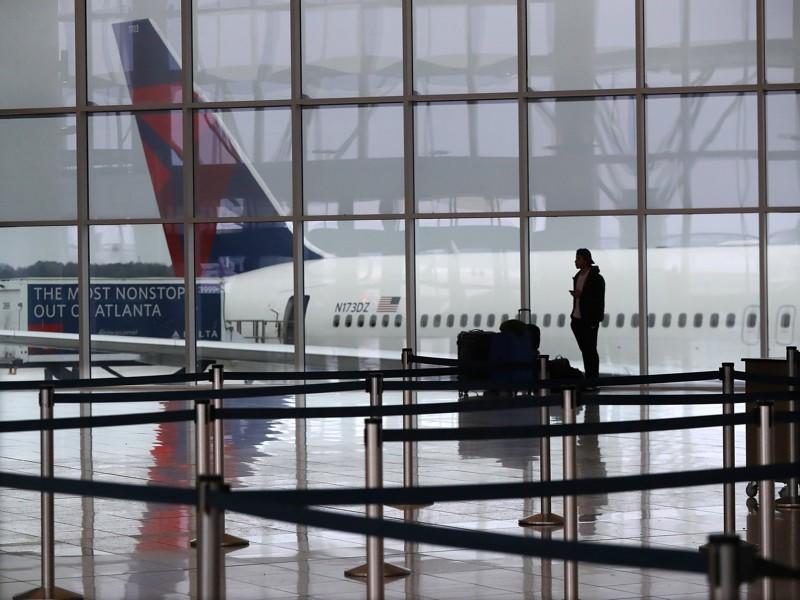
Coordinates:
<point>723,566</point>
<point>728,450</point>
<point>409,447</point>
<point>376,569</point>
<point>766,492</point>
<point>48,588</point>
<point>570,397</point>
<point>210,560</point>
<point>202,418</point>
<point>792,498</point>
<point>218,450</point>
<point>374,511</point>
<point>408,423</point>
<point>546,518</point>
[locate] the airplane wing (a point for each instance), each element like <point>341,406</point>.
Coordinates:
<point>166,351</point>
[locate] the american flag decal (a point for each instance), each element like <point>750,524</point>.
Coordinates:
<point>388,304</point>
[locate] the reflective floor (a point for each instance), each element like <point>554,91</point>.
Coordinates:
<point>113,549</point>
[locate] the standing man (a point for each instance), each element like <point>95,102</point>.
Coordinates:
<point>588,305</point>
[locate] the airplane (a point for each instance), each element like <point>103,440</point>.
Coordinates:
<point>354,306</point>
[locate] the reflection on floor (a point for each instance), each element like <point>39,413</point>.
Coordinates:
<point>112,549</point>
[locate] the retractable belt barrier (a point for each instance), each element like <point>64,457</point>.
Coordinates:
<point>259,504</point>
<point>724,558</point>
<point>7,386</point>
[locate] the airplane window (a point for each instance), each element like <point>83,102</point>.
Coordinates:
<point>398,320</point>
<point>786,320</point>
<point>437,320</point>
<point>730,320</point>
<point>635,320</point>
<point>620,320</point>
<point>505,318</point>
<point>682,320</point>
<point>698,320</point>
<point>546,320</point>
<point>336,319</point>
<point>463,320</point>
<point>713,321</point>
<point>360,320</point>
<point>651,320</point>
<point>451,319</point>
<point>373,320</point>
<point>666,320</point>
<point>476,322</point>
<point>751,320</point>
<point>423,322</point>
<point>562,318</point>
<point>533,318</point>
<point>490,320</point>
<point>385,321</point>
<point>348,320</point>
<point>606,319</point>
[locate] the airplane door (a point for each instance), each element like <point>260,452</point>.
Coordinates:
<point>784,326</point>
<point>750,333</point>
<point>287,333</point>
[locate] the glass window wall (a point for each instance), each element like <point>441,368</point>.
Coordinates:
<point>245,308</point>
<point>353,160</point>
<point>713,261</point>
<point>782,43</point>
<point>465,46</point>
<point>581,44</point>
<point>690,43</point>
<point>466,157</point>
<point>38,298</point>
<point>242,50</point>
<point>37,54</point>
<point>783,149</point>
<point>612,241</point>
<point>134,51</point>
<point>582,154</point>
<point>368,61</point>
<point>136,165</point>
<point>37,168</point>
<point>702,151</point>
<point>137,292</point>
<point>243,163</point>
<point>464,266</point>
<point>783,232</point>
<point>355,294</point>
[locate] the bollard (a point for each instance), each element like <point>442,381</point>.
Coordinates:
<point>210,561</point>
<point>723,567</point>
<point>218,451</point>
<point>48,588</point>
<point>570,502</point>
<point>728,451</point>
<point>792,499</point>
<point>409,447</point>
<point>546,518</point>
<point>376,570</point>
<point>766,493</point>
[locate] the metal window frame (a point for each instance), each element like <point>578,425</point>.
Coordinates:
<point>409,99</point>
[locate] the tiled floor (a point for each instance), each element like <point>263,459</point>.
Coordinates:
<point>110,549</point>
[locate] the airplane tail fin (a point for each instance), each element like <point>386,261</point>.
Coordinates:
<point>224,177</point>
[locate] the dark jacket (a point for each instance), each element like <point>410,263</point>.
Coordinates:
<point>593,296</point>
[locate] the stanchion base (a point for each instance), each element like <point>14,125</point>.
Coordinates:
<point>390,571</point>
<point>56,593</point>
<point>410,506</point>
<point>228,541</point>
<point>788,503</point>
<point>542,520</point>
